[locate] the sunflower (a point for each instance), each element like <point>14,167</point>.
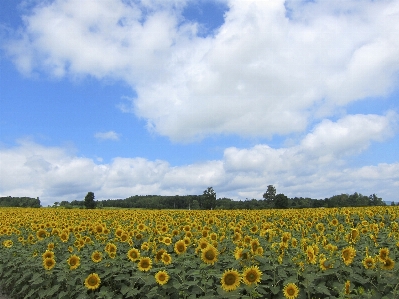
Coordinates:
<point>50,246</point>
<point>145,246</point>
<point>320,227</point>
<point>311,255</point>
<point>96,256</point>
<point>230,280</point>
<point>348,254</point>
<point>209,255</point>
<point>64,237</point>
<point>354,234</point>
<point>388,264</point>
<point>161,277</point>
<point>251,275</point>
<point>99,229</point>
<point>383,254</point>
<point>8,243</point>
<point>145,264</point>
<point>180,247</point>
<point>158,255</point>
<point>369,262</point>
<point>48,263</point>
<point>347,287</point>
<point>291,291</point>
<point>254,245</point>
<point>334,222</point>
<point>187,240</point>
<point>110,248</point>
<point>325,264</point>
<point>41,234</point>
<point>247,239</point>
<point>241,253</point>
<point>213,236</point>
<point>167,241</point>
<point>237,237</point>
<point>73,262</point>
<point>166,258</point>
<point>202,243</point>
<point>92,282</point>
<point>48,254</point>
<point>259,251</point>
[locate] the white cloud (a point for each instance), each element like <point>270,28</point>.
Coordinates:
<point>314,167</point>
<point>270,68</point>
<point>110,135</point>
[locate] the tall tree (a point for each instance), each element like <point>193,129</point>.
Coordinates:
<point>270,195</point>
<point>89,201</point>
<point>209,199</point>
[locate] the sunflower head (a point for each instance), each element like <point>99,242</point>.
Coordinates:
<point>369,262</point>
<point>311,256</point>
<point>73,262</point>
<point>383,254</point>
<point>180,247</point>
<point>92,281</point>
<point>348,254</point>
<point>161,277</point>
<point>230,280</point>
<point>291,291</point>
<point>209,255</point>
<point>388,264</point>
<point>325,264</point>
<point>96,256</point>
<point>48,254</point>
<point>158,255</point>
<point>167,241</point>
<point>48,263</point>
<point>145,264</point>
<point>251,275</point>
<point>166,258</point>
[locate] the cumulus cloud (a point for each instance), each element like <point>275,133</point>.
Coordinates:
<point>110,135</point>
<point>271,68</point>
<point>309,168</point>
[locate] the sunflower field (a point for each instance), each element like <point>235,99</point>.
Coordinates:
<point>307,253</point>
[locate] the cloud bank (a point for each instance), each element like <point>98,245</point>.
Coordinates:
<point>273,67</point>
<point>315,167</point>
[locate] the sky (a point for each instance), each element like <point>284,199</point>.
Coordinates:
<point>130,97</point>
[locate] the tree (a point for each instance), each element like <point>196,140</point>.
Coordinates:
<point>89,201</point>
<point>281,201</point>
<point>195,205</point>
<point>270,195</point>
<point>209,198</point>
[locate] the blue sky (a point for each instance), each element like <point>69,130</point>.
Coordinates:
<point>170,97</point>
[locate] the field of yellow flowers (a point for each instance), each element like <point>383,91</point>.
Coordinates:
<point>308,253</point>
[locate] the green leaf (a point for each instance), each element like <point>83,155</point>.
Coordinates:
<point>321,288</point>
<point>262,290</point>
<point>195,289</point>
<point>132,292</point>
<point>125,289</point>
<point>275,290</point>
<point>281,273</point>
<point>122,277</point>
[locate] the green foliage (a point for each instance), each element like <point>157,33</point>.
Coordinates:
<point>24,202</point>
<point>209,199</point>
<point>89,201</point>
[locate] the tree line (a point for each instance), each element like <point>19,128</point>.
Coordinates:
<point>208,201</point>
<point>23,202</point>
